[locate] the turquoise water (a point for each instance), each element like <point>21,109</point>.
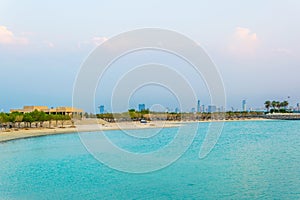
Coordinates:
<point>252,160</point>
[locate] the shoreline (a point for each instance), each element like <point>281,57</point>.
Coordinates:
<point>10,135</point>
<point>93,126</point>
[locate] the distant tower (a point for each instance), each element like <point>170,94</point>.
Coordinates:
<point>198,106</point>
<point>176,110</point>
<point>212,109</point>
<point>101,109</point>
<point>244,106</point>
<point>203,108</point>
<point>298,107</point>
<point>142,107</point>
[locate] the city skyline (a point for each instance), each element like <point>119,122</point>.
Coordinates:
<point>256,62</point>
<point>201,108</point>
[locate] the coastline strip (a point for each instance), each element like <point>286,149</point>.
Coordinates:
<point>10,135</point>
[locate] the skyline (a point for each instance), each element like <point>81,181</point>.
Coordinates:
<point>255,46</point>
<point>201,108</point>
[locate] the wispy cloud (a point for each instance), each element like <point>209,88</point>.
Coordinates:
<point>243,42</point>
<point>95,41</point>
<point>98,40</point>
<point>7,37</point>
<point>245,34</point>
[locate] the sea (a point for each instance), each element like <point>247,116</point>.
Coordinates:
<point>250,160</point>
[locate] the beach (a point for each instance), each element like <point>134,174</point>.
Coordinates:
<point>92,125</point>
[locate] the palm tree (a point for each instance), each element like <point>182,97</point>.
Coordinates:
<point>278,105</point>
<point>268,105</point>
<point>285,104</point>
<point>274,105</point>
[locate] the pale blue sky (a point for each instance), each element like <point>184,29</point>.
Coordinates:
<point>255,44</point>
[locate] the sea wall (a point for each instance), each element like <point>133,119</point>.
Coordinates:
<point>283,116</point>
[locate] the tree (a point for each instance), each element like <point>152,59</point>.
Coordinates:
<point>3,119</point>
<point>63,118</point>
<point>42,117</point>
<point>35,116</point>
<point>274,105</point>
<point>268,105</point>
<point>49,118</point>
<point>278,105</point>
<point>56,118</point>
<point>285,104</point>
<point>12,119</point>
<point>28,119</point>
<point>132,114</point>
<point>109,117</point>
<point>19,119</point>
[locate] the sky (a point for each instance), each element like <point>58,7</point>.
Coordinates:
<point>254,44</point>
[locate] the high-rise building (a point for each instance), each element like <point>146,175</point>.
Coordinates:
<point>203,108</point>
<point>212,108</point>
<point>198,106</point>
<point>193,110</point>
<point>142,107</point>
<point>244,106</point>
<point>176,110</point>
<point>101,109</point>
<point>222,109</point>
<point>298,107</point>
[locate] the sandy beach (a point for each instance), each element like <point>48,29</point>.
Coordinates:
<point>92,125</point>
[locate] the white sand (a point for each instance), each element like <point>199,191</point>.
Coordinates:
<point>90,125</point>
<point>82,126</point>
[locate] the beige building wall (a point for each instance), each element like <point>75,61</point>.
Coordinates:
<point>59,110</point>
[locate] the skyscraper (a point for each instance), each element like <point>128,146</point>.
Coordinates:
<point>244,106</point>
<point>101,109</point>
<point>198,106</point>
<point>142,107</point>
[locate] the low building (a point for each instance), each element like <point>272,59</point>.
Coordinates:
<point>28,109</point>
<point>59,110</point>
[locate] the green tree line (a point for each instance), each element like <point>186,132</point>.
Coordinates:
<point>38,118</point>
<point>133,115</point>
<point>276,106</point>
